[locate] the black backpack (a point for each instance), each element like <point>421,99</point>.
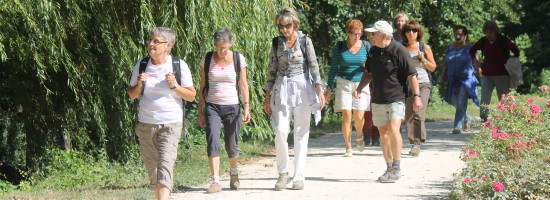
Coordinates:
<point>207,60</point>
<point>177,73</point>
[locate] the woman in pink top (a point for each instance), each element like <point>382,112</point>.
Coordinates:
<point>223,74</point>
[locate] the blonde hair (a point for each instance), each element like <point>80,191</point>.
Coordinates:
<point>399,15</point>
<point>288,15</point>
<point>353,24</point>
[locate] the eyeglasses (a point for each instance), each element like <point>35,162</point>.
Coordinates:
<point>409,30</point>
<point>156,42</point>
<point>287,26</point>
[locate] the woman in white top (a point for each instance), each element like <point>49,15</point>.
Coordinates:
<point>424,61</point>
<point>160,108</point>
<point>222,75</point>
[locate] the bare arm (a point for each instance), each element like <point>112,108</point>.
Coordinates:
<point>243,84</point>
<point>200,116</point>
<point>135,91</point>
<point>365,80</point>
<point>429,59</point>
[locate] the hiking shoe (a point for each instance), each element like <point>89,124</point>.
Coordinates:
<point>391,175</point>
<point>349,153</point>
<point>375,141</point>
<point>234,182</point>
<point>281,181</point>
<point>467,124</point>
<point>456,131</point>
<point>298,185</point>
<point>367,140</point>
<point>215,187</point>
<point>360,147</point>
<point>415,151</point>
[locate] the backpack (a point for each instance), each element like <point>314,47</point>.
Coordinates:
<point>302,40</point>
<point>208,59</point>
<point>177,73</point>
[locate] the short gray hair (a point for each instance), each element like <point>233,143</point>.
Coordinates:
<point>223,35</point>
<point>166,33</point>
<point>388,35</point>
<point>288,15</point>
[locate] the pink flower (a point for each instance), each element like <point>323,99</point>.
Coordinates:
<point>498,186</point>
<point>467,180</point>
<point>530,100</point>
<point>520,143</point>
<point>548,104</point>
<point>488,123</point>
<point>535,109</point>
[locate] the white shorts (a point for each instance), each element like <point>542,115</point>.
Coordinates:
<point>344,99</point>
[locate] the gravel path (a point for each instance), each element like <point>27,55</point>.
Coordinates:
<point>329,175</point>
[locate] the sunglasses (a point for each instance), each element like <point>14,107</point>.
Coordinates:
<point>287,26</point>
<point>409,30</point>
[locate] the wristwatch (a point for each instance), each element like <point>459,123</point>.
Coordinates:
<point>175,86</point>
<point>416,95</point>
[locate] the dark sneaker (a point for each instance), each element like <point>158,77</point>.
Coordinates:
<point>391,175</point>
<point>281,181</point>
<point>234,182</point>
<point>367,140</point>
<point>214,188</point>
<point>375,141</point>
<point>298,185</point>
<point>456,131</point>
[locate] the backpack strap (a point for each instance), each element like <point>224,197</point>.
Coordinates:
<point>237,64</point>
<point>142,67</point>
<point>367,46</point>
<point>275,43</point>
<point>176,69</point>
<point>422,47</point>
<point>206,68</point>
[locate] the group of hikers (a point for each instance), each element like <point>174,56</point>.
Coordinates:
<point>378,83</point>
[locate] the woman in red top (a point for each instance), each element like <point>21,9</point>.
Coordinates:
<point>496,51</point>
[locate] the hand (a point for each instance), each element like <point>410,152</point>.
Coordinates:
<point>417,104</point>
<point>142,78</point>
<point>328,94</point>
<point>267,106</point>
<point>171,80</point>
<point>357,94</point>
<point>322,100</point>
<point>200,119</point>
<point>246,117</point>
<point>420,55</point>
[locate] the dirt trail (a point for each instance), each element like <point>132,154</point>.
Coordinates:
<point>329,175</point>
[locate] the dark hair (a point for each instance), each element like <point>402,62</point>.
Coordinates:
<point>491,26</point>
<point>412,25</point>
<point>464,30</point>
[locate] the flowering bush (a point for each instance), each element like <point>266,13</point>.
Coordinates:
<point>510,157</point>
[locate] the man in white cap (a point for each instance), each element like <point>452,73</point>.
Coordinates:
<point>389,66</point>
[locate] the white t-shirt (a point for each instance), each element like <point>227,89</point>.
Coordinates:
<point>159,104</point>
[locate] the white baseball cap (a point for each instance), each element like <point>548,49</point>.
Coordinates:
<point>382,26</point>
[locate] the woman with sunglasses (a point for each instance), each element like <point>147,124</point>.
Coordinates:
<point>346,70</point>
<point>424,61</point>
<point>219,104</point>
<point>294,91</point>
<point>458,72</point>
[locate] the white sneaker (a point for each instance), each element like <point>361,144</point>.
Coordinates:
<point>349,153</point>
<point>360,147</point>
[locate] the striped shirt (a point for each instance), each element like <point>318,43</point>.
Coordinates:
<point>222,80</point>
<point>345,64</point>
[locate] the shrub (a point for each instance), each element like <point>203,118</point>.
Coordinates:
<point>509,158</point>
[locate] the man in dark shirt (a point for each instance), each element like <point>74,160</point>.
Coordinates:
<point>388,97</point>
<point>495,48</point>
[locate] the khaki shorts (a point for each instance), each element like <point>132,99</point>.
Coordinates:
<point>159,149</point>
<point>383,113</point>
<point>344,99</point>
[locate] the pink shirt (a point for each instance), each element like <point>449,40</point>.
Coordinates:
<point>223,82</point>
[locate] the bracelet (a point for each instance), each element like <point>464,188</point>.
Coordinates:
<point>244,103</point>
<point>175,86</point>
<point>416,95</point>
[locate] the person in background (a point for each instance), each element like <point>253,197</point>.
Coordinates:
<point>219,104</point>
<point>388,96</point>
<point>458,73</point>
<point>399,22</point>
<point>423,61</point>
<point>347,68</point>
<point>294,91</point>
<point>160,118</point>
<point>495,48</point>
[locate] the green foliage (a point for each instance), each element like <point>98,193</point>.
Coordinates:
<point>511,150</point>
<point>66,66</point>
